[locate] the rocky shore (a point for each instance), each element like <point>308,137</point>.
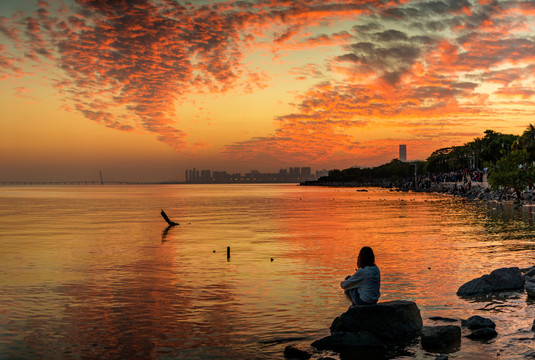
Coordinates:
<point>471,191</point>
<point>385,330</point>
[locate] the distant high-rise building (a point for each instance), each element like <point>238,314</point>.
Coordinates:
<point>403,152</point>
<point>306,172</point>
<point>206,175</point>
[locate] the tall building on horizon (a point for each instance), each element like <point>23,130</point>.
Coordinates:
<point>403,153</point>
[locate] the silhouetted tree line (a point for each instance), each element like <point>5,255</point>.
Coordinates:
<point>395,171</point>
<point>509,160</point>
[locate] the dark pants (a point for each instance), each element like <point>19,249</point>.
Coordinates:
<point>353,295</point>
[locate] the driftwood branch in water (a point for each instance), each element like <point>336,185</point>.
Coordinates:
<point>171,223</point>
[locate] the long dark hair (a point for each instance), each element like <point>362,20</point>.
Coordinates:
<point>366,257</point>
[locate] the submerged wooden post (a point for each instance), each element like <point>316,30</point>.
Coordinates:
<point>171,223</point>
<point>228,253</point>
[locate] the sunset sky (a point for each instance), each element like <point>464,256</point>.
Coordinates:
<point>144,89</point>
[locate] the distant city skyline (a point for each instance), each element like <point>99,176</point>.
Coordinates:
<point>291,174</point>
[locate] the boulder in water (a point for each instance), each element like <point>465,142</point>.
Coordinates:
<point>348,340</point>
<point>295,353</point>
<point>478,322</point>
<point>498,280</point>
<point>530,271</point>
<point>445,338</point>
<point>483,334</point>
<point>530,286</point>
<point>391,321</point>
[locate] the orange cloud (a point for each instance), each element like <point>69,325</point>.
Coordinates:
<point>404,79</point>
<point>126,64</point>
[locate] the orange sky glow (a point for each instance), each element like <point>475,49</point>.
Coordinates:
<point>145,89</point>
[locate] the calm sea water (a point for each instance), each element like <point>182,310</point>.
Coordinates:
<point>91,272</point>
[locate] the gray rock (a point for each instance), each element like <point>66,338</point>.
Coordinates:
<point>498,280</point>
<point>529,271</point>
<point>445,338</point>
<point>391,322</point>
<point>530,286</point>
<point>478,322</point>
<point>483,334</point>
<point>348,340</point>
<point>295,353</point>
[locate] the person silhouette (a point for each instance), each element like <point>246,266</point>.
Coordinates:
<point>362,288</point>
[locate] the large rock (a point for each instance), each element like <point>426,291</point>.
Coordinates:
<point>530,286</point>
<point>498,280</point>
<point>292,352</point>
<point>353,345</point>
<point>392,322</point>
<point>528,271</point>
<point>478,322</point>
<point>347,340</point>
<point>445,338</point>
<point>483,334</point>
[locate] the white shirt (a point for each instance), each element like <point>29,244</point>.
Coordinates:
<point>368,281</point>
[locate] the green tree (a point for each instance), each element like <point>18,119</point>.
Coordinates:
<point>493,146</point>
<point>438,161</point>
<point>526,141</point>
<point>512,172</point>
<point>459,158</point>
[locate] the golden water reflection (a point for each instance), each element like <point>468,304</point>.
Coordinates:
<point>96,274</point>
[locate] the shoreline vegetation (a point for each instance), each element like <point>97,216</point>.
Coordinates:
<point>497,167</point>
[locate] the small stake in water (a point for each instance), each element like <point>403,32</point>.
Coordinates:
<point>228,253</point>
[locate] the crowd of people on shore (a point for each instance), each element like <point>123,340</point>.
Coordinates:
<point>464,176</point>
<point>462,179</point>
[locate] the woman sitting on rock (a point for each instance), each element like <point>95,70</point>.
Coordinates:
<point>363,286</point>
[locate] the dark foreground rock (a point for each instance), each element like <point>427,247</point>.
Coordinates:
<point>529,271</point>
<point>349,340</point>
<point>498,280</point>
<point>391,322</point>
<point>478,322</point>
<point>373,331</point>
<point>483,334</point>
<point>530,286</point>
<point>291,352</point>
<point>446,338</point>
